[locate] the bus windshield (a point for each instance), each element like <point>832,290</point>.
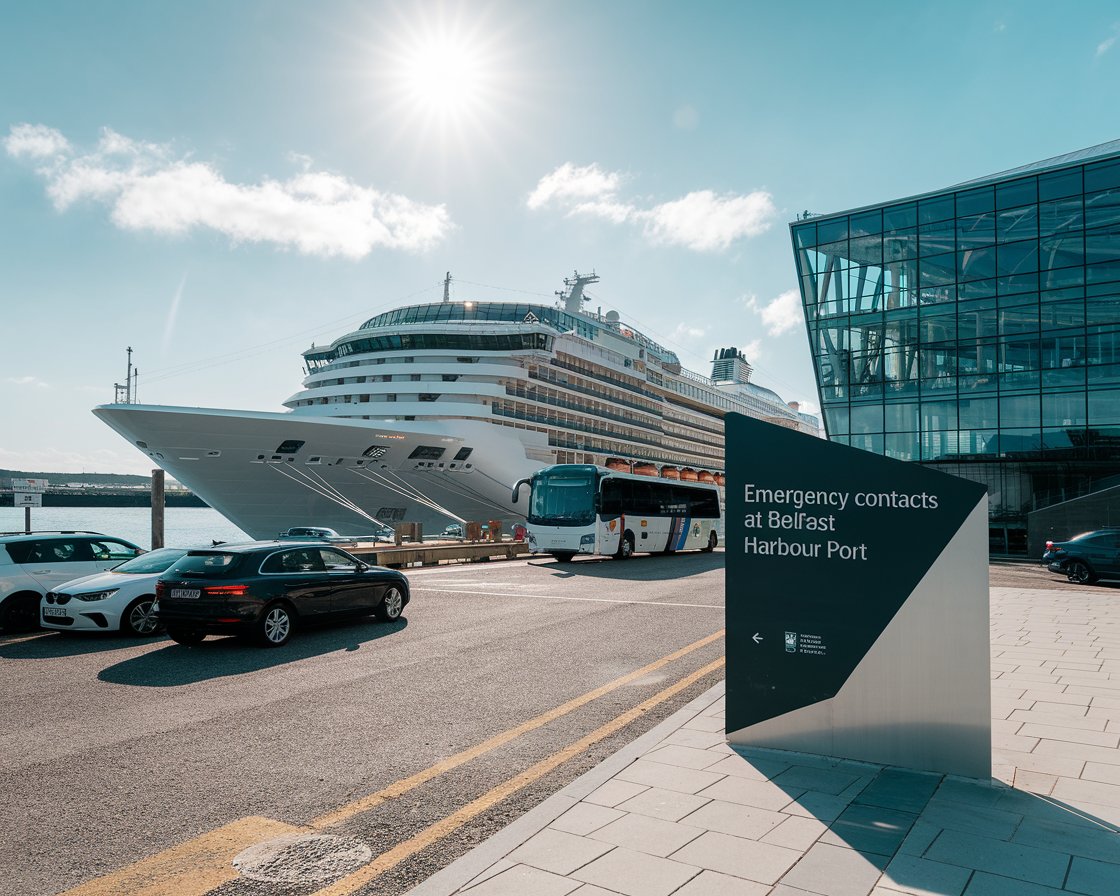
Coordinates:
<point>563,498</point>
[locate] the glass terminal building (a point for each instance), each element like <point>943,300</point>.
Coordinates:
<point>976,329</point>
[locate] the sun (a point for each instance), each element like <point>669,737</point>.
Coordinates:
<point>444,72</point>
<point>443,77</point>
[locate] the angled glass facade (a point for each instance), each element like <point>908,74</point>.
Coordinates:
<point>977,329</point>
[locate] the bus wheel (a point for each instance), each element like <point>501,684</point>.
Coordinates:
<point>563,556</point>
<point>625,547</point>
<point>713,540</point>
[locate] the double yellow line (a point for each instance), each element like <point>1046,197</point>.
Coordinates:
<point>200,865</point>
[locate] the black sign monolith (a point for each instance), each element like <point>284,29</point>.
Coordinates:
<point>857,603</point>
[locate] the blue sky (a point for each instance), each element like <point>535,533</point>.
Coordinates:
<point>219,185</point>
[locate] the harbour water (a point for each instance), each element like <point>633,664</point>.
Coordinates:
<point>182,526</point>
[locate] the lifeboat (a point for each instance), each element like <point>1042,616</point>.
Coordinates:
<point>720,480</point>
<point>616,463</point>
<point>670,473</point>
<point>705,476</point>
<point>645,469</point>
<point>688,474</point>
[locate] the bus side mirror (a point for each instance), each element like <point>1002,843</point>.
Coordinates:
<point>517,488</point>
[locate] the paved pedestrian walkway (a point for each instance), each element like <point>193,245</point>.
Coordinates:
<point>680,812</point>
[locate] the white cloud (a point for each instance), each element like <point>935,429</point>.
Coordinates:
<point>752,351</point>
<point>149,188</point>
<point>35,141</point>
<point>706,222</point>
<point>569,183</point>
<point>702,220</point>
<point>27,381</point>
<point>780,315</point>
<point>809,406</point>
<point>684,331</point>
<point>1105,45</point>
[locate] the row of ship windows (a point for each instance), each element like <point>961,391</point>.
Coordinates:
<point>524,412</point>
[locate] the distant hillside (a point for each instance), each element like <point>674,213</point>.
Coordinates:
<point>58,479</point>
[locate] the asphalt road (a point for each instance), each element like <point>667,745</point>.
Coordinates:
<point>114,751</point>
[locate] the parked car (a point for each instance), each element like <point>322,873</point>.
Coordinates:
<point>1086,557</point>
<point>119,600</point>
<point>266,589</point>
<point>31,564</point>
<point>312,533</point>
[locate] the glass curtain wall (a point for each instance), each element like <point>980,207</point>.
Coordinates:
<point>976,329</point>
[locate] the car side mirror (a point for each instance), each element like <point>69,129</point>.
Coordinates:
<point>360,566</point>
<point>517,489</point>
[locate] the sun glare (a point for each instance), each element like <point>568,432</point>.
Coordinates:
<point>443,76</point>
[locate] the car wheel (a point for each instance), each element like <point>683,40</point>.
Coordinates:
<point>20,612</point>
<point>274,628</point>
<point>185,637</point>
<point>713,540</point>
<point>625,547</point>
<point>1079,572</point>
<point>138,620</point>
<point>563,556</point>
<point>391,606</point>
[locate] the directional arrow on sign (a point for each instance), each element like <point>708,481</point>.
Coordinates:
<point>757,638</point>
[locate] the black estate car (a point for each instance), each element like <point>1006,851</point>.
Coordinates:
<point>1086,557</point>
<point>266,588</point>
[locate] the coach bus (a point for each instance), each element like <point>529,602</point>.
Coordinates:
<point>584,509</point>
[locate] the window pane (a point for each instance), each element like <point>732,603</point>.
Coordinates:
<point>900,217</point>
<point>1063,409</point>
<point>1018,410</point>
<point>867,418</point>
<point>1104,406</point>
<point>1102,207</point>
<point>938,209</point>
<point>1017,192</point>
<point>1061,214</point>
<point>832,230</point>
<point>1059,183</point>
<point>1017,258</point>
<point>976,230</point>
<point>1017,224</point>
<point>867,223</point>
<point>976,201</point>
<point>1102,175</point>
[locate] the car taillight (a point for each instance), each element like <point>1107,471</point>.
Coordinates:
<point>225,590</point>
<point>161,589</point>
<point>1049,545</point>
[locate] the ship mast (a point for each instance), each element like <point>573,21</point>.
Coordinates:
<point>127,391</point>
<point>447,287</point>
<point>574,297</point>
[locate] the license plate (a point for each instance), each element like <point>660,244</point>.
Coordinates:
<point>54,611</point>
<point>185,593</point>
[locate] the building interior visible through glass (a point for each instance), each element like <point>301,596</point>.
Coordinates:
<point>977,329</point>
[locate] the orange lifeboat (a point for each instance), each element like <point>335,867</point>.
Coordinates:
<point>688,475</point>
<point>616,463</point>
<point>720,480</point>
<point>645,469</point>
<point>670,473</point>
<point>705,476</point>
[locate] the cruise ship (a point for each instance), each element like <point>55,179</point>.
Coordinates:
<point>428,413</point>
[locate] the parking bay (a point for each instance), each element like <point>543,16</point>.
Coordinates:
<point>116,751</point>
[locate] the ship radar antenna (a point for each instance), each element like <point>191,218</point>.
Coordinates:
<point>447,287</point>
<point>124,393</point>
<point>574,297</point>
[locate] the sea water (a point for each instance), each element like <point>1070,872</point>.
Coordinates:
<point>183,527</point>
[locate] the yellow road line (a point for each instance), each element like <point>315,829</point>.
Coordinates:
<point>406,784</point>
<point>389,860</point>
<point>205,863</point>
<point>4,642</point>
<point>189,869</point>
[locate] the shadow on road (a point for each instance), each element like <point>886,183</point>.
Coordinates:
<point>639,568</point>
<point>51,645</point>
<point>219,657</point>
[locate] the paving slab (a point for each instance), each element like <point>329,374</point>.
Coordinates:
<point>680,813</point>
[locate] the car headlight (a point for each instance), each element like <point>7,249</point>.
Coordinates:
<point>587,539</point>
<point>97,595</point>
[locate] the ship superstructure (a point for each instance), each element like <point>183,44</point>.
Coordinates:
<point>428,412</point>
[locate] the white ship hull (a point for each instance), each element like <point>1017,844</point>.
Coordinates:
<point>229,459</point>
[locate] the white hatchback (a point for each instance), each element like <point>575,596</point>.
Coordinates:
<point>117,600</point>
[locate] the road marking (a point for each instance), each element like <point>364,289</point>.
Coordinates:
<point>406,784</point>
<point>351,883</point>
<point>189,869</point>
<point>35,637</point>
<point>597,600</point>
<point>200,865</point>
